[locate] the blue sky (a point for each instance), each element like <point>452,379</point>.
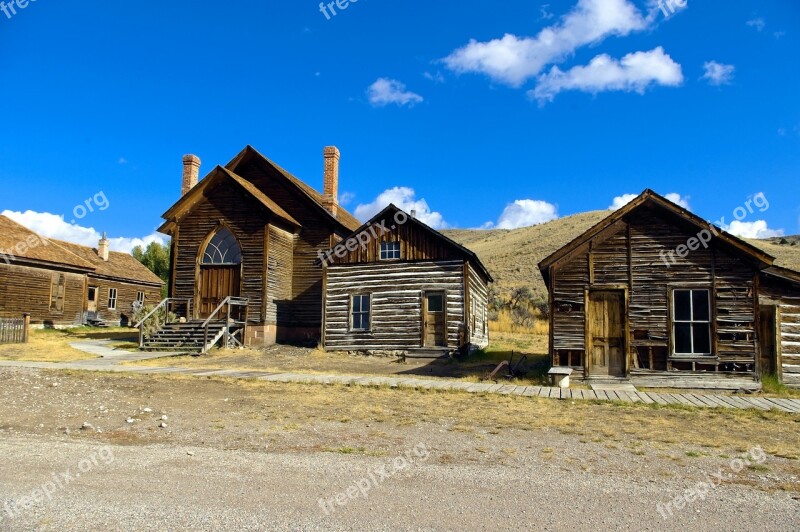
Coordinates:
<point>491,114</point>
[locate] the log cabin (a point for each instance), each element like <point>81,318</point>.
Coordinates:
<point>398,287</point>
<point>252,231</point>
<point>60,284</point>
<point>656,295</point>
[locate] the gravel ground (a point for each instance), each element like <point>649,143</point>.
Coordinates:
<point>233,463</point>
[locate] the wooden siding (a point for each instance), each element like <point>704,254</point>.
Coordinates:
<point>315,235</point>
<point>789,332</point>
<point>279,285</point>
<point>27,289</point>
<point>416,244</point>
<point>126,296</point>
<point>246,219</point>
<point>630,257</point>
<point>396,289</point>
<point>478,308</point>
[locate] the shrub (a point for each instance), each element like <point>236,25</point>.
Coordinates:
<point>154,323</point>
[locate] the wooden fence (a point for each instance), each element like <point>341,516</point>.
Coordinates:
<point>15,330</point>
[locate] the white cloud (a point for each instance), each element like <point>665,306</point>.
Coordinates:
<point>435,77</point>
<point>757,229</point>
<point>390,91</point>
<point>758,23</point>
<point>123,160</point>
<point>718,73</point>
<point>524,213</point>
<point>345,198</point>
<point>674,197</point>
<point>53,226</point>
<point>513,60</point>
<point>633,73</point>
<point>404,198</point>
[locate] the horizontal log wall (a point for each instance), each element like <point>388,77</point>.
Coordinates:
<point>26,289</point>
<point>396,290</point>
<point>478,303</point>
<point>790,340</point>
<point>126,296</point>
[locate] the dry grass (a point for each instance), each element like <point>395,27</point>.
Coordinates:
<point>730,431</point>
<point>52,345</point>
<point>505,324</point>
<point>512,257</point>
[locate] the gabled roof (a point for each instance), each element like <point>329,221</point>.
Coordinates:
<point>391,209</point>
<point>782,273</point>
<point>648,198</point>
<point>343,218</point>
<point>191,198</point>
<point>120,266</point>
<point>19,242</point>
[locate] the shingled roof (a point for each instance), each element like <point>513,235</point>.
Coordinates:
<point>18,243</point>
<point>120,266</point>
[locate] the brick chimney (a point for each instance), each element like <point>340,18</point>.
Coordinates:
<point>191,172</point>
<point>331,188</point>
<point>102,248</point>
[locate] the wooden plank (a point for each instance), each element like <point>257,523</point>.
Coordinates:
<point>656,398</point>
<point>644,398</point>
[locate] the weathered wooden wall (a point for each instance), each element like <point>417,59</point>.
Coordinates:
<point>478,308</point>
<point>630,257</point>
<point>27,289</point>
<point>396,288</point>
<point>126,296</point>
<point>246,219</point>
<point>315,235</point>
<point>789,333</point>
<point>279,284</point>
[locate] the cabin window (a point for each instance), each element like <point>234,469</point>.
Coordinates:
<point>112,299</point>
<point>360,313</point>
<point>390,250</point>
<point>140,297</point>
<point>57,292</point>
<point>691,322</point>
<point>223,249</point>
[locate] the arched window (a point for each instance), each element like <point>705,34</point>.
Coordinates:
<point>223,249</point>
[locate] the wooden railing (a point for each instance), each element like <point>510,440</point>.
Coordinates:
<point>239,324</point>
<point>15,330</point>
<point>167,307</point>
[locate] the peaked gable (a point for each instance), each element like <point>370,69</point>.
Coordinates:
<point>344,220</point>
<point>649,199</point>
<point>389,220</point>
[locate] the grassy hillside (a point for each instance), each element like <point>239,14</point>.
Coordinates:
<point>512,257</point>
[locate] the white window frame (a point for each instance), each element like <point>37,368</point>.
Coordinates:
<point>362,312</point>
<point>112,299</point>
<point>390,253</point>
<point>691,322</point>
<point>140,297</point>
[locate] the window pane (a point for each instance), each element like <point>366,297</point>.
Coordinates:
<point>223,249</point>
<point>683,338</point>
<point>357,304</point>
<point>700,305</point>
<point>435,303</point>
<point>683,306</point>
<point>702,339</point>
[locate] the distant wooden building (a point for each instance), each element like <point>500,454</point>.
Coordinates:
<point>396,286</point>
<point>61,284</point>
<point>252,230</point>
<point>656,294</point>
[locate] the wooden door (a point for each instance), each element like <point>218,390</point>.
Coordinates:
<point>217,283</point>
<point>606,323</point>
<point>92,299</point>
<point>767,321</point>
<point>434,320</point>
